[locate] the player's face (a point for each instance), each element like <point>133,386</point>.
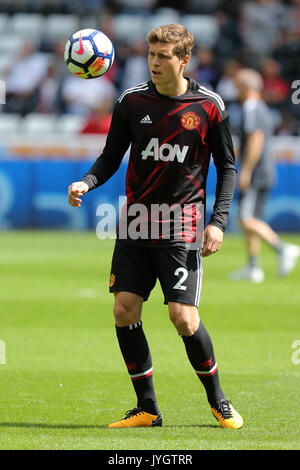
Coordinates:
<point>164,65</point>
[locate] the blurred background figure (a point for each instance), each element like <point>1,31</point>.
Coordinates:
<point>48,91</point>
<point>132,6</point>
<point>226,88</point>
<point>226,85</point>
<point>99,119</point>
<point>23,78</point>
<point>81,7</point>
<point>136,67</point>
<point>228,16</point>
<point>261,25</point>
<point>292,29</point>
<point>75,101</point>
<point>276,89</point>
<point>256,177</point>
<point>205,70</point>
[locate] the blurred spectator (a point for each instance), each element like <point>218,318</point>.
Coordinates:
<point>293,21</point>
<point>288,125</point>
<point>230,39</point>
<point>123,53</point>
<point>275,89</point>
<point>58,58</point>
<point>226,86</point>
<point>79,96</point>
<point>288,50</point>
<point>140,7</point>
<point>231,9</point>
<point>47,93</point>
<point>49,96</point>
<point>227,89</point>
<point>106,25</point>
<point>83,6</point>
<point>113,72</point>
<point>98,121</point>
<point>261,25</point>
<point>205,69</point>
<point>202,7</point>
<point>23,78</point>
<point>174,4</point>
<point>136,66</point>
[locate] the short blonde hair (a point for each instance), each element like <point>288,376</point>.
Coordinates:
<point>250,78</point>
<point>173,33</point>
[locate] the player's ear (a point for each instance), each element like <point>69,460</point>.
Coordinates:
<point>185,60</point>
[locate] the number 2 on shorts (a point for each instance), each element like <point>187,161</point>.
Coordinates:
<point>184,274</point>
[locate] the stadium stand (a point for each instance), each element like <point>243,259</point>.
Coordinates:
<point>128,27</point>
<point>228,31</point>
<point>204,28</point>
<point>70,124</point>
<point>38,124</point>
<point>27,25</point>
<point>57,26</point>
<point>9,124</point>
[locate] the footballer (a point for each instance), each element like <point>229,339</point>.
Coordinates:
<point>173,126</point>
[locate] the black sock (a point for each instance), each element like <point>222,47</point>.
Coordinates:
<point>135,350</point>
<point>200,352</point>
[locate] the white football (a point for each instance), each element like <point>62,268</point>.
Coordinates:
<point>89,53</point>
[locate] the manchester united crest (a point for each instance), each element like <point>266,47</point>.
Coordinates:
<point>190,120</point>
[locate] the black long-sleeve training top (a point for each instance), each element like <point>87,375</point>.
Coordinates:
<point>172,139</point>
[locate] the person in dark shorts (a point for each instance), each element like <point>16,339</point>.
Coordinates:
<point>173,125</point>
<point>255,181</point>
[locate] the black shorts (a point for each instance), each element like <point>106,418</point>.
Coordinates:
<point>136,268</point>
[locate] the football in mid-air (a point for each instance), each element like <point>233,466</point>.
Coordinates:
<point>89,53</point>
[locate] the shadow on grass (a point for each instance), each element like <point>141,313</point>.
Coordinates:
<point>92,426</point>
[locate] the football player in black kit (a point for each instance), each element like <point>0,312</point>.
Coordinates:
<point>173,125</point>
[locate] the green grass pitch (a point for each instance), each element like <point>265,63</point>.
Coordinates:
<point>64,379</point>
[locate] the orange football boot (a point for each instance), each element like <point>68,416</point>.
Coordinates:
<point>137,418</point>
<point>227,416</point>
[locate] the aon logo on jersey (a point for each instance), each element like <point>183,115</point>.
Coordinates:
<point>165,152</point>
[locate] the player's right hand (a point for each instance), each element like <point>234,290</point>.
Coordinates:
<point>75,191</point>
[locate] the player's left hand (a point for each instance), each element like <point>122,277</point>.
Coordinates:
<point>212,240</point>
